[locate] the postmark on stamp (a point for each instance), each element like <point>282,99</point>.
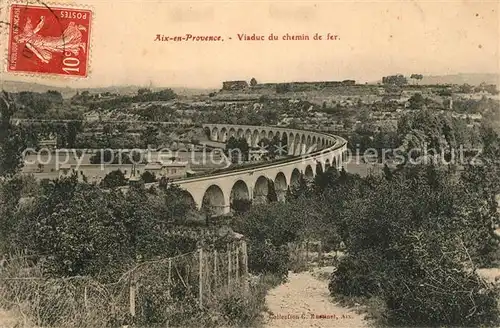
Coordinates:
<point>48,40</point>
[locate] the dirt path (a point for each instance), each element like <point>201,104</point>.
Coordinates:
<point>8,320</point>
<point>302,300</point>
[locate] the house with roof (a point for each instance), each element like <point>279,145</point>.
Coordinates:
<point>48,143</point>
<point>234,85</point>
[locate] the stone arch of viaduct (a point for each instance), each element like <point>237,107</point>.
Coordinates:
<point>313,152</point>
<point>297,142</point>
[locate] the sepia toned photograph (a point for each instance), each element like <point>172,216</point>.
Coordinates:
<point>267,164</point>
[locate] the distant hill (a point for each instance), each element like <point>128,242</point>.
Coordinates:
<point>67,92</point>
<point>461,78</point>
<point>472,79</point>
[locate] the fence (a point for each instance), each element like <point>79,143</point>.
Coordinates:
<point>156,293</point>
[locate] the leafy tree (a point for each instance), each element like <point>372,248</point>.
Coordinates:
<point>143,91</point>
<point>55,96</point>
<point>235,147</point>
<point>394,232</point>
<point>466,88</point>
<point>482,176</point>
<point>179,203</point>
<point>271,194</point>
<point>104,156</point>
<point>73,224</point>
<point>74,127</point>
<point>283,87</point>
<point>107,130</point>
<point>398,80</point>
<point>270,116</point>
<point>114,179</point>
<point>426,129</point>
<point>267,258</point>
<point>303,188</point>
<point>207,133</point>
<point>253,82</point>
<point>117,102</point>
<point>80,229</point>
<point>417,101</point>
<point>149,136</point>
<point>264,99</point>
<point>13,139</point>
<point>416,77</point>
<point>490,88</point>
<point>270,227</point>
<point>148,177</point>
<point>108,156</point>
<point>35,104</point>
<point>11,191</point>
<point>276,222</point>
<point>387,172</point>
<point>273,147</point>
<point>241,205</point>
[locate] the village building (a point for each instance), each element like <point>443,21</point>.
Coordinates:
<point>172,170</point>
<point>95,173</point>
<point>234,85</point>
<point>255,155</point>
<point>48,143</point>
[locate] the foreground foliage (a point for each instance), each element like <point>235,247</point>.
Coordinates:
<point>36,300</point>
<point>81,229</point>
<point>414,241</point>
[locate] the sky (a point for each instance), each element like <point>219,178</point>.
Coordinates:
<point>375,38</point>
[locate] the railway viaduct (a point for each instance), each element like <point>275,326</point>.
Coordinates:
<point>309,153</point>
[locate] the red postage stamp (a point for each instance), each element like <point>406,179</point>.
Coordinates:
<point>48,40</point>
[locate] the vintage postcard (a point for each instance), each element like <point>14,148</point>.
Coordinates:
<point>220,163</point>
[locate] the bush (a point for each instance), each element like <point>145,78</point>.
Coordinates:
<point>60,302</point>
<point>114,179</point>
<point>267,258</point>
<point>243,310</point>
<point>148,177</point>
<point>51,302</point>
<point>443,298</point>
<point>87,231</point>
<point>231,308</point>
<point>352,279</point>
<point>241,205</point>
<point>417,291</point>
<point>399,252</point>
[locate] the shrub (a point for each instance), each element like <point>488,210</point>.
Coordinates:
<point>241,310</point>
<point>60,302</point>
<point>241,205</point>
<point>52,302</point>
<point>114,179</point>
<point>443,298</point>
<point>267,258</point>
<point>352,278</point>
<point>148,177</point>
<point>245,310</point>
<point>87,231</point>
<point>420,289</point>
<point>399,251</point>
